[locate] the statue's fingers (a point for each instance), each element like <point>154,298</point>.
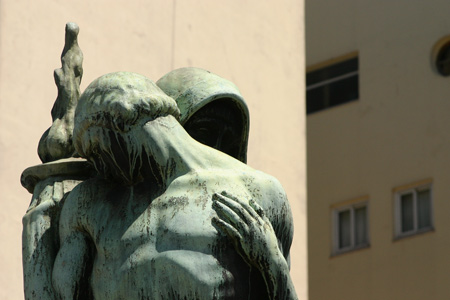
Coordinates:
<point>226,228</point>
<point>58,191</point>
<point>258,209</point>
<point>244,204</point>
<point>45,195</point>
<point>239,207</point>
<point>34,203</point>
<point>229,195</point>
<point>228,214</point>
<point>237,239</point>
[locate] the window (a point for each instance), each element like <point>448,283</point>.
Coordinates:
<point>332,85</point>
<point>441,56</point>
<point>443,60</point>
<point>413,210</point>
<point>350,227</point>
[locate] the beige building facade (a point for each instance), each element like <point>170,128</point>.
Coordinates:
<point>257,45</point>
<point>378,158</point>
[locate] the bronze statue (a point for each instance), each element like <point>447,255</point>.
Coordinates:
<point>161,216</point>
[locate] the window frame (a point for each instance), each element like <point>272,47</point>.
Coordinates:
<point>412,189</point>
<point>336,250</point>
<point>327,82</point>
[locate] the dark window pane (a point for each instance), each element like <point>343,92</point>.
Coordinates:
<point>360,226</point>
<point>443,60</point>
<point>332,71</point>
<point>315,100</point>
<point>344,229</point>
<point>406,206</point>
<point>332,94</point>
<point>332,85</point>
<point>424,209</point>
<point>342,91</point>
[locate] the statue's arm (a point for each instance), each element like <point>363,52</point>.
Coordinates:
<point>73,263</point>
<point>72,268</point>
<point>256,240</point>
<point>40,239</point>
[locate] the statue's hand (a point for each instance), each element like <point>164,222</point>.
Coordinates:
<point>255,240</point>
<point>45,201</point>
<point>251,231</point>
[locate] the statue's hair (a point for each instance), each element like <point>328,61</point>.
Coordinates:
<point>107,112</point>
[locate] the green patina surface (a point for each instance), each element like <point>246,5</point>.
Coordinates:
<point>157,215</point>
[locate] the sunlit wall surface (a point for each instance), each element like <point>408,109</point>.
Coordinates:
<point>259,45</point>
<point>379,166</point>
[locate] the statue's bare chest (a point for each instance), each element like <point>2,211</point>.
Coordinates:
<point>158,243</point>
<point>171,221</point>
<point>176,222</point>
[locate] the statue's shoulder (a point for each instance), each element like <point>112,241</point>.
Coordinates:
<point>253,178</point>
<point>81,203</point>
<point>271,196</point>
<point>265,188</point>
<point>88,190</point>
<point>262,180</point>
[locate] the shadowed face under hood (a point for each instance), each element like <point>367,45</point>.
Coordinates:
<point>212,110</point>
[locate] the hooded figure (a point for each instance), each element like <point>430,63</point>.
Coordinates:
<point>212,109</point>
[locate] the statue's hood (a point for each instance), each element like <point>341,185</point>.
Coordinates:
<point>193,88</point>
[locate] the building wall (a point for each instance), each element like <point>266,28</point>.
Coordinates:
<point>257,45</point>
<point>395,134</point>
